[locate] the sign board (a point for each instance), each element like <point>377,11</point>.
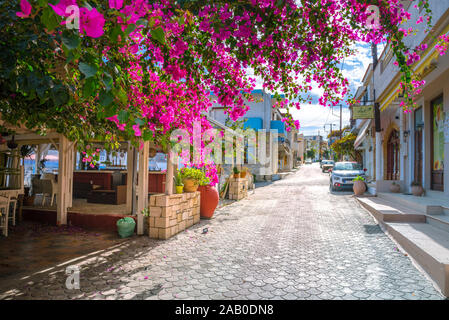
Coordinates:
<point>363,112</point>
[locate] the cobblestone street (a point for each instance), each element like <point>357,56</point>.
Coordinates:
<point>292,239</point>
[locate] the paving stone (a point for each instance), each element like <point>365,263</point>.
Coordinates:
<point>291,240</point>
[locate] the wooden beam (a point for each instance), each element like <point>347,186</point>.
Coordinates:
<point>169,174</point>
<point>142,186</point>
<point>37,157</point>
<point>130,178</point>
<point>70,168</point>
<point>63,184</point>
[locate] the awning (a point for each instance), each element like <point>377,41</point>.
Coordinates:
<point>362,134</point>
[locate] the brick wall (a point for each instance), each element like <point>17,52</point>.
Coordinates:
<point>171,214</point>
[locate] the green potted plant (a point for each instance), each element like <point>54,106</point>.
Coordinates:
<point>243,172</point>
<point>178,183</point>
<point>417,189</point>
<point>359,186</point>
<point>236,172</point>
<point>191,178</point>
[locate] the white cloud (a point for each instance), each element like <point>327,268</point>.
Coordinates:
<point>313,117</point>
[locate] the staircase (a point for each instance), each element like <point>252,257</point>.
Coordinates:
<point>420,226</point>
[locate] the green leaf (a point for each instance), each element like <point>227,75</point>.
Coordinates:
<point>108,81</point>
<point>123,116</point>
<point>140,122</point>
<point>130,29</point>
<point>115,32</point>
<point>70,40</point>
<point>87,69</point>
<point>142,22</point>
<point>147,135</point>
<point>49,19</point>
<point>89,87</point>
<point>72,55</point>
<point>105,98</point>
<point>60,95</point>
<point>122,96</point>
<point>158,34</point>
<point>110,111</point>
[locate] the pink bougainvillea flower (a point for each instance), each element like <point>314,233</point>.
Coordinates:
<point>115,4</point>
<point>137,131</point>
<point>61,7</point>
<point>91,22</point>
<point>25,6</point>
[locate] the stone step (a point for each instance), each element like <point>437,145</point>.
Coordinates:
<point>440,221</point>
<point>428,246</point>
<point>404,201</point>
<point>387,211</point>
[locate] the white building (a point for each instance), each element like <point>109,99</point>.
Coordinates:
<point>262,116</point>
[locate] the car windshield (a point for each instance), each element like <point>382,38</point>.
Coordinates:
<point>328,162</point>
<point>347,166</point>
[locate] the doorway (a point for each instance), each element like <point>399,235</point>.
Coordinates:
<point>419,126</point>
<point>393,148</point>
<point>437,143</point>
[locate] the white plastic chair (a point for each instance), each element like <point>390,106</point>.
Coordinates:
<point>12,216</point>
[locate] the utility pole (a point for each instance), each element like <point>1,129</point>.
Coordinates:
<point>377,118</point>
<point>319,145</point>
<point>341,133</point>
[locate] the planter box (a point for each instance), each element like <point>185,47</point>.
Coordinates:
<point>171,214</point>
<point>238,188</point>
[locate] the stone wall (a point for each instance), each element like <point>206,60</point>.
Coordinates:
<point>238,188</point>
<point>171,214</point>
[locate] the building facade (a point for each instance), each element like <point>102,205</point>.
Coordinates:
<point>262,116</point>
<point>411,147</point>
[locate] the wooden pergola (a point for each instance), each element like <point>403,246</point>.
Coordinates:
<point>137,185</point>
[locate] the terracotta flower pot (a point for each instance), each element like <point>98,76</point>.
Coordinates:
<point>417,191</point>
<point>179,189</point>
<point>243,174</point>
<point>236,175</point>
<point>208,201</point>
<point>359,187</point>
<point>395,188</point>
<point>190,185</point>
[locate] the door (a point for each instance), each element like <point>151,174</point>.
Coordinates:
<point>393,156</point>
<point>419,126</point>
<point>437,143</point>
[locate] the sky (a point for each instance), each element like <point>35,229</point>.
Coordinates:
<point>314,117</point>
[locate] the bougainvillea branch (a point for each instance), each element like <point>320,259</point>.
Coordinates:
<point>137,70</point>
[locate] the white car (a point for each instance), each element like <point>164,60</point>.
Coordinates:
<point>343,175</point>
<point>308,161</point>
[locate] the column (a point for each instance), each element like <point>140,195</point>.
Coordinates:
<point>37,157</point>
<point>170,173</point>
<point>142,186</point>
<point>131,171</point>
<point>63,183</point>
<point>446,140</point>
<point>379,156</point>
<point>402,145</point>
